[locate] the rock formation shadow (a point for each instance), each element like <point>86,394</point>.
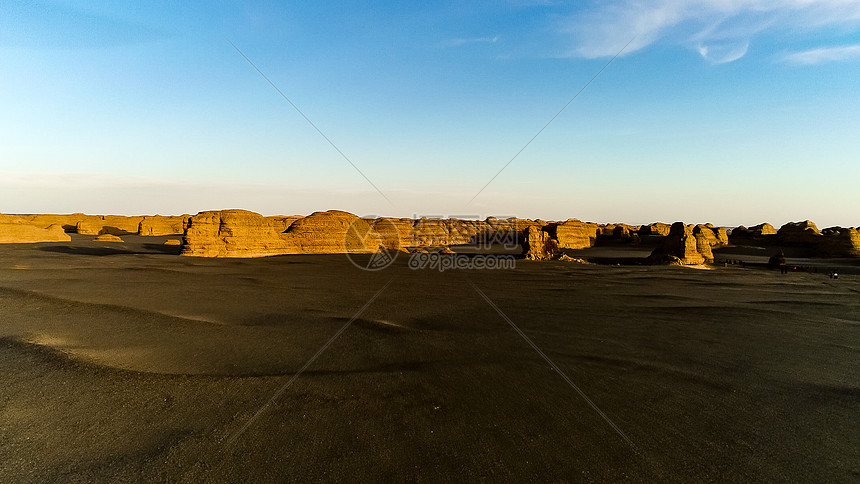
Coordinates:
<point>93,251</point>
<point>108,251</point>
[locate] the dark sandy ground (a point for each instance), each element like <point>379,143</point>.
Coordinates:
<point>125,362</point>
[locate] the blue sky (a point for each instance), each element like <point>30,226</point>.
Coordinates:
<point>723,111</point>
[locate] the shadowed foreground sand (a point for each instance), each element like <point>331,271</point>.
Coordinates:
<point>122,362</point>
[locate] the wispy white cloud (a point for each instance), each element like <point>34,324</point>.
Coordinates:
<point>822,55</point>
<point>719,30</point>
<point>723,53</point>
<point>475,40</point>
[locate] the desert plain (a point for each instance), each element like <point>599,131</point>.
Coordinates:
<point>125,362</point>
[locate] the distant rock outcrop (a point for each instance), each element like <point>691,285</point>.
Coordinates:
<point>685,244</point>
<point>798,234</point>
<point>573,234</point>
<point>157,225</point>
<point>715,236</point>
<point>395,232</point>
<point>705,241</point>
<point>830,242</point>
<point>756,231</point>
<point>240,233</point>
<point>839,242</point>
<point>621,231</point>
<point>722,236</point>
<point>68,222</point>
<point>435,232</point>
<point>333,232</point>
<point>109,224</point>
<point>656,228</point>
<point>234,233</point>
<point>19,230</point>
<point>444,232</point>
<point>538,245</point>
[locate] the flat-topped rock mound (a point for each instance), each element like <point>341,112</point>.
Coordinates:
<point>805,235</point>
<point>333,232</point>
<point>756,231</point>
<point>234,233</point>
<point>689,244</point>
<point>109,224</point>
<point>839,242</point>
<point>158,225</point>
<point>69,222</point>
<point>798,233</point>
<point>19,230</point>
<point>573,234</point>
<point>108,238</point>
<point>656,228</point>
<point>538,244</point>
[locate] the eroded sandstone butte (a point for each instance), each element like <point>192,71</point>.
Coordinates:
<point>538,244</point>
<point>109,224</point>
<point>830,242</point>
<point>574,234</point>
<point>241,233</point>
<point>19,230</point>
<point>69,222</point>
<point>234,233</point>
<point>689,244</point>
<point>156,225</point>
<point>333,232</point>
<point>839,242</point>
<point>756,231</point>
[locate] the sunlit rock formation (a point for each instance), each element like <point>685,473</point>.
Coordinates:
<point>798,234</point>
<point>839,242</point>
<point>683,246</point>
<point>108,238</point>
<point>656,228</point>
<point>159,225</point>
<point>755,231</point>
<point>234,233</point>
<point>20,230</point>
<point>109,224</point>
<point>538,245</point>
<point>573,234</point>
<point>240,233</point>
<point>68,222</point>
<point>332,232</point>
